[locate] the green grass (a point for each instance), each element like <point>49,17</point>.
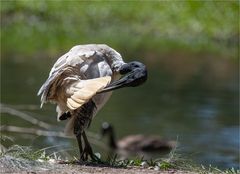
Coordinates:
<point>26,153</point>
<point>173,162</point>
<point>176,163</point>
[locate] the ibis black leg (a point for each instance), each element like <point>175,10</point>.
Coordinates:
<point>79,140</point>
<point>88,150</point>
<point>82,119</point>
<point>78,134</point>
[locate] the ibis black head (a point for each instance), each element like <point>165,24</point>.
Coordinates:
<point>134,74</point>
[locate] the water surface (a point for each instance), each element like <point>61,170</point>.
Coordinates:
<point>202,115</point>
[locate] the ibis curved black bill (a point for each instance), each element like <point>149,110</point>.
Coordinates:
<point>135,76</point>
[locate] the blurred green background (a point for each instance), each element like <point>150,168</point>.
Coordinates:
<point>191,49</point>
<point>50,27</point>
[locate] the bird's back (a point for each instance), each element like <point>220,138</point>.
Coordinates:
<point>144,143</point>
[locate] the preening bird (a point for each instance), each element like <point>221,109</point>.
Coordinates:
<point>136,143</point>
<point>80,83</point>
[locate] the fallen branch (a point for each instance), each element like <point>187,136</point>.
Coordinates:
<point>27,117</point>
<point>24,106</point>
<point>24,116</point>
<point>9,110</point>
<point>34,131</point>
<point>40,132</point>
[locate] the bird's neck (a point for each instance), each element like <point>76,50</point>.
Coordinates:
<point>113,58</point>
<point>112,141</point>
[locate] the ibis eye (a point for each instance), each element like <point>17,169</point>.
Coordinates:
<point>133,65</point>
<point>125,69</point>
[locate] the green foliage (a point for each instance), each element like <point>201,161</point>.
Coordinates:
<point>48,27</point>
<point>165,165</point>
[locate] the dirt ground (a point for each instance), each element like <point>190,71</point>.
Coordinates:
<point>83,169</point>
<point>9,164</point>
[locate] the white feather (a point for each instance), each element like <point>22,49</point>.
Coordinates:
<point>72,79</point>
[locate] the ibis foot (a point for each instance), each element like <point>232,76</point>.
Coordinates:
<point>87,151</point>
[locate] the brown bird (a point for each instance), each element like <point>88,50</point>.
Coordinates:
<point>136,143</point>
<point>80,83</point>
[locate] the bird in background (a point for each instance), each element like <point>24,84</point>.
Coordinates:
<point>80,83</point>
<point>138,144</point>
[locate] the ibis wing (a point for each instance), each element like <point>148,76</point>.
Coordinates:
<point>83,57</point>
<point>80,92</point>
<point>76,56</point>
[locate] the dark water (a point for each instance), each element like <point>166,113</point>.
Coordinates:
<point>202,117</point>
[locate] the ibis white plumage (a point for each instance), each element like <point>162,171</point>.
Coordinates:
<point>80,83</point>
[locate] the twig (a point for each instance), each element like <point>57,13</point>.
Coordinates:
<point>34,131</point>
<point>25,107</point>
<point>22,115</point>
<point>9,110</point>
<point>40,132</point>
<point>27,117</point>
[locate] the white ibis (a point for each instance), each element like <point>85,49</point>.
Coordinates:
<point>80,83</point>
